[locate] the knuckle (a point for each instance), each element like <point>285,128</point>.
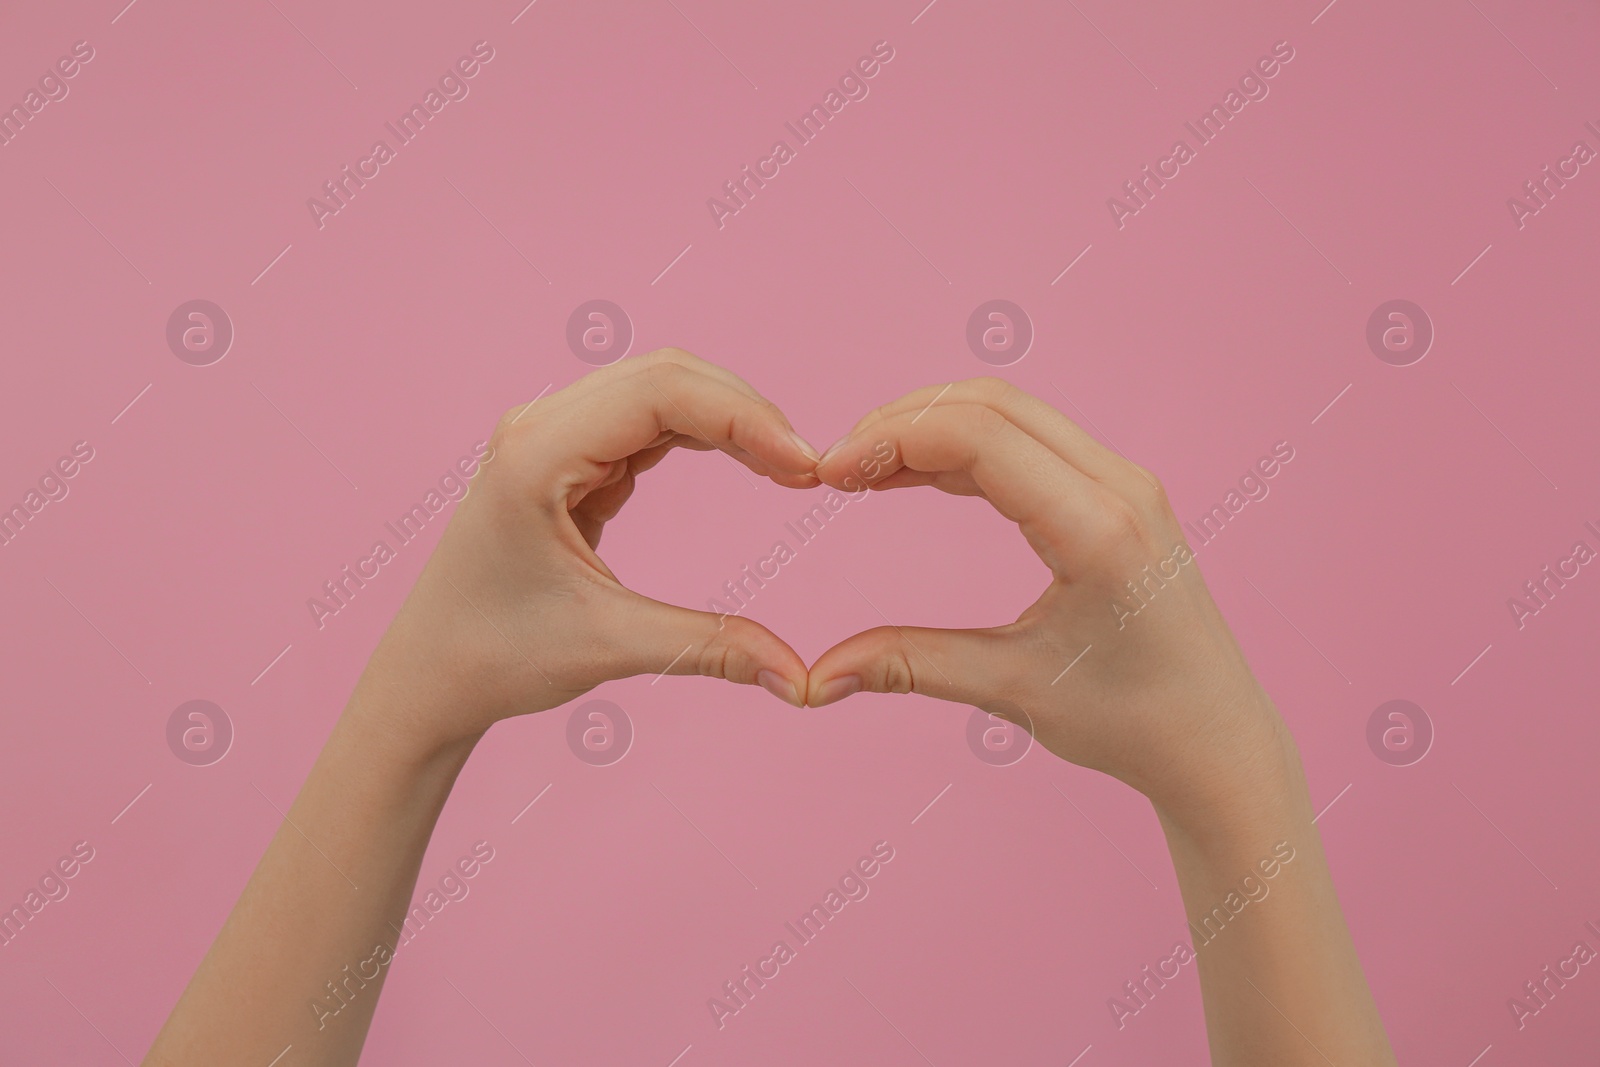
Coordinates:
<point>1158,494</point>
<point>992,387</point>
<point>896,676</point>
<point>663,373</point>
<point>1152,500</point>
<point>515,436</point>
<point>711,660</point>
<point>989,423</point>
<point>894,670</point>
<point>1121,527</point>
<point>899,678</point>
<point>501,436</point>
<point>714,657</point>
<point>726,652</point>
<point>672,354</point>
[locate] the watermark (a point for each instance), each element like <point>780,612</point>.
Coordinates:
<point>1253,86</point>
<point>52,489</point>
<point>1399,332</point>
<point>199,332</point>
<point>599,733</point>
<point>741,590</point>
<point>452,886</point>
<point>853,886</point>
<point>999,332</point>
<point>52,888</point>
<point>1143,593</point>
<point>342,991</point>
<point>1253,488</point>
<point>1552,979</point>
<point>1252,890</point>
<point>1002,737</point>
<point>1399,733</point>
<point>1541,190</point>
<point>199,733</point>
<point>1539,591</point>
<point>1138,993</point>
<point>599,332</point>
<point>52,89</point>
<point>852,86</point>
<point>452,487</point>
<point>452,87</point>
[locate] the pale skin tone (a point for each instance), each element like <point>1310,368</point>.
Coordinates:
<point>515,613</point>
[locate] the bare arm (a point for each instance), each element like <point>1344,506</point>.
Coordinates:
<point>514,613</point>
<point>303,956</point>
<point>1125,665</point>
<point>1278,971</point>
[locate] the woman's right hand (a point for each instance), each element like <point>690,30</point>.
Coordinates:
<point>1123,664</point>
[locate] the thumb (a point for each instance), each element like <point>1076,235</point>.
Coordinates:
<point>677,640</point>
<point>957,665</point>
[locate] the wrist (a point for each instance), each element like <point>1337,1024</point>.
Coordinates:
<point>406,725</point>
<point>1254,788</point>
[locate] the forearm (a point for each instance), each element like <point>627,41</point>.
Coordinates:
<point>323,905</point>
<point>513,614</point>
<point>1278,970</point>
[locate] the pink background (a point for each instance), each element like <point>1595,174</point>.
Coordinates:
<point>1206,330</point>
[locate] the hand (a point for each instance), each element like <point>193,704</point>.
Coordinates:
<point>515,612</point>
<point>1124,664</point>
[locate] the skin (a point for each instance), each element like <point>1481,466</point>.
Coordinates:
<point>1161,698</point>
<point>515,613</point>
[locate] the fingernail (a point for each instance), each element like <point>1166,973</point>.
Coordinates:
<point>805,446</point>
<point>834,448</point>
<point>779,686</point>
<point>838,689</point>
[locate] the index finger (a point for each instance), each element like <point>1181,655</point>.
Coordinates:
<point>1064,514</point>
<point>1028,413</point>
<point>623,417</point>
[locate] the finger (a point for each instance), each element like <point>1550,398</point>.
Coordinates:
<point>602,426</point>
<point>1065,515</point>
<point>802,481</point>
<point>966,666</point>
<point>609,376</point>
<point>1025,411</point>
<point>722,374</point>
<point>642,461</point>
<point>705,366</point>
<point>729,378</point>
<point>606,498</point>
<point>956,483</point>
<point>667,639</point>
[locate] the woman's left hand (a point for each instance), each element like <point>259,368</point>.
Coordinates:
<point>516,612</point>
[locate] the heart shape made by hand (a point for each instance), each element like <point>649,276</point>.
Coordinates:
<point>1123,663</point>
